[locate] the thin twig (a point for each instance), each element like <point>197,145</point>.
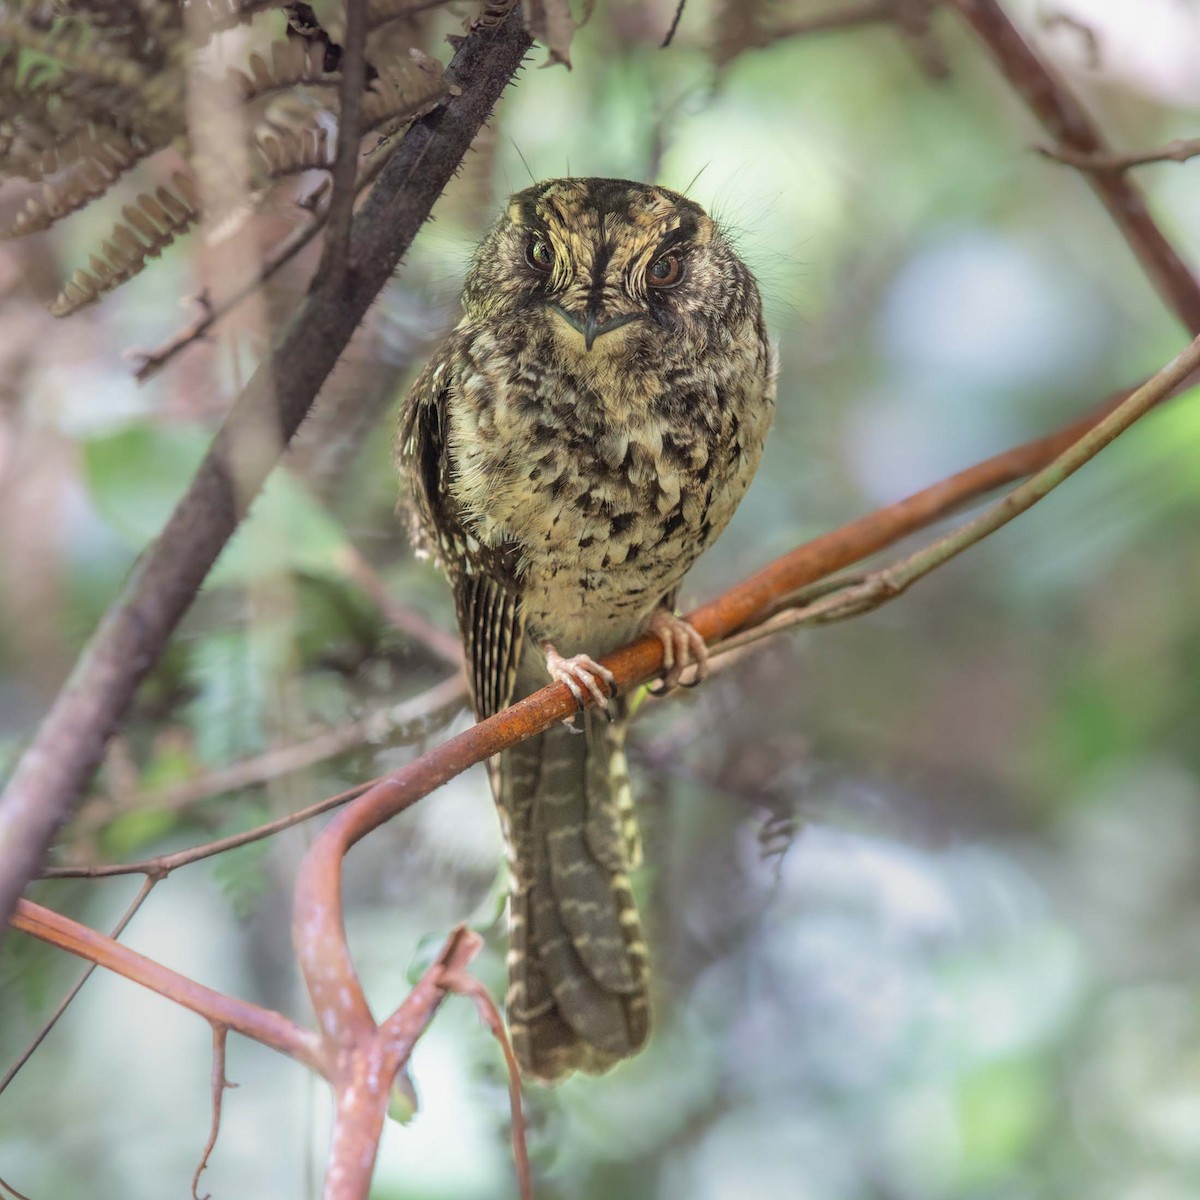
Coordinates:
<point>55,769</point>
<point>38,1038</point>
<point>1178,151</point>
<point>164,864</point>
<point>12,1191</point>
<point>261,1024</point>
<point>870,591</point>
<point>409,721</point>
<point>447,697</point>
<point>465,984</point>
<point>150,362</point>
<point>1068,123</point>
<point>670,37</point>
<point>336,260</point>
<point>219,1084</point>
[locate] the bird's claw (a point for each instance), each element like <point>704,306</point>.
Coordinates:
<point>581,673</point>
<point>682,647</point>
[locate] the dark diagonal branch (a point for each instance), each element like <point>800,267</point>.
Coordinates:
<point>1074,132</point>
<point>55,769</point>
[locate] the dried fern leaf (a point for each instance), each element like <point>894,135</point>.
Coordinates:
<point>290,151</point>
<point>155,113</point>
<point>150,225</point>
<point>293,63</point>
<point>551,23</point>
<point>101,162</point>
<point>493,13</point>
<point>392,102</point>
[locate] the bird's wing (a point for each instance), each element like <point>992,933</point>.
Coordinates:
<point>484,578</point>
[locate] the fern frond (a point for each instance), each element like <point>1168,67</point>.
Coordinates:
<point>156,114</point>
<point>158,219</point>
<point>99,163</point>
<point>293,63</point>
<point>493,13</point>
<point>290,151</point>
<point>394,102</point>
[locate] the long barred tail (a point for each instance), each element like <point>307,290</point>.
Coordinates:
<point>577,996</point>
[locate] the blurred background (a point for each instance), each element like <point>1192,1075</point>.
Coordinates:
<point>923,889</point>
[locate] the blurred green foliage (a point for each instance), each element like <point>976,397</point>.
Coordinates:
<point>973,972</point>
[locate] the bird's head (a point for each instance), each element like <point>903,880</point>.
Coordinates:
<point>610,267</point>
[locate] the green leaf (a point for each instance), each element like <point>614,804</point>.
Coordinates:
<point>402,1099</point>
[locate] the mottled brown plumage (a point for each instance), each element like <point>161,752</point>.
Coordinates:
<point>584,433</point>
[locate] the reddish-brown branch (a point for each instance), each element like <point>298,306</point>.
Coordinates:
<point>317,924</point>
<point>219,1084</point>
<point>39,1037</point>
<point>1066,120</point>
<point>262,1024</point>
<point>465,984</point>
<point>368,1061</point>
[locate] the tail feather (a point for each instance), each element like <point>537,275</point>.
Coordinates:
<point>577,964</point>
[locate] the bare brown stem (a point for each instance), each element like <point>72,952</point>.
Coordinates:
<point>1068,123</point>
<point>219,1084</point>
<point>262,1024</point>
<point>465,984</point>
<point>336,259</point>
<point>12,1191</point>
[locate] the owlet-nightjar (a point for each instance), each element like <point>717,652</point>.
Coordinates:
<point>584,433</point>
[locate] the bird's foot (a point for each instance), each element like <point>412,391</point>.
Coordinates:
<point>581,673</point>
<point>682,647</point>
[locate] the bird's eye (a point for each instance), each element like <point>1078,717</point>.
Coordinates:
<point>665,272</point>
<point>539,255</point>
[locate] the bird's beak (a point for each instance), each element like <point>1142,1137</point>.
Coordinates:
<point>590,325</point>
